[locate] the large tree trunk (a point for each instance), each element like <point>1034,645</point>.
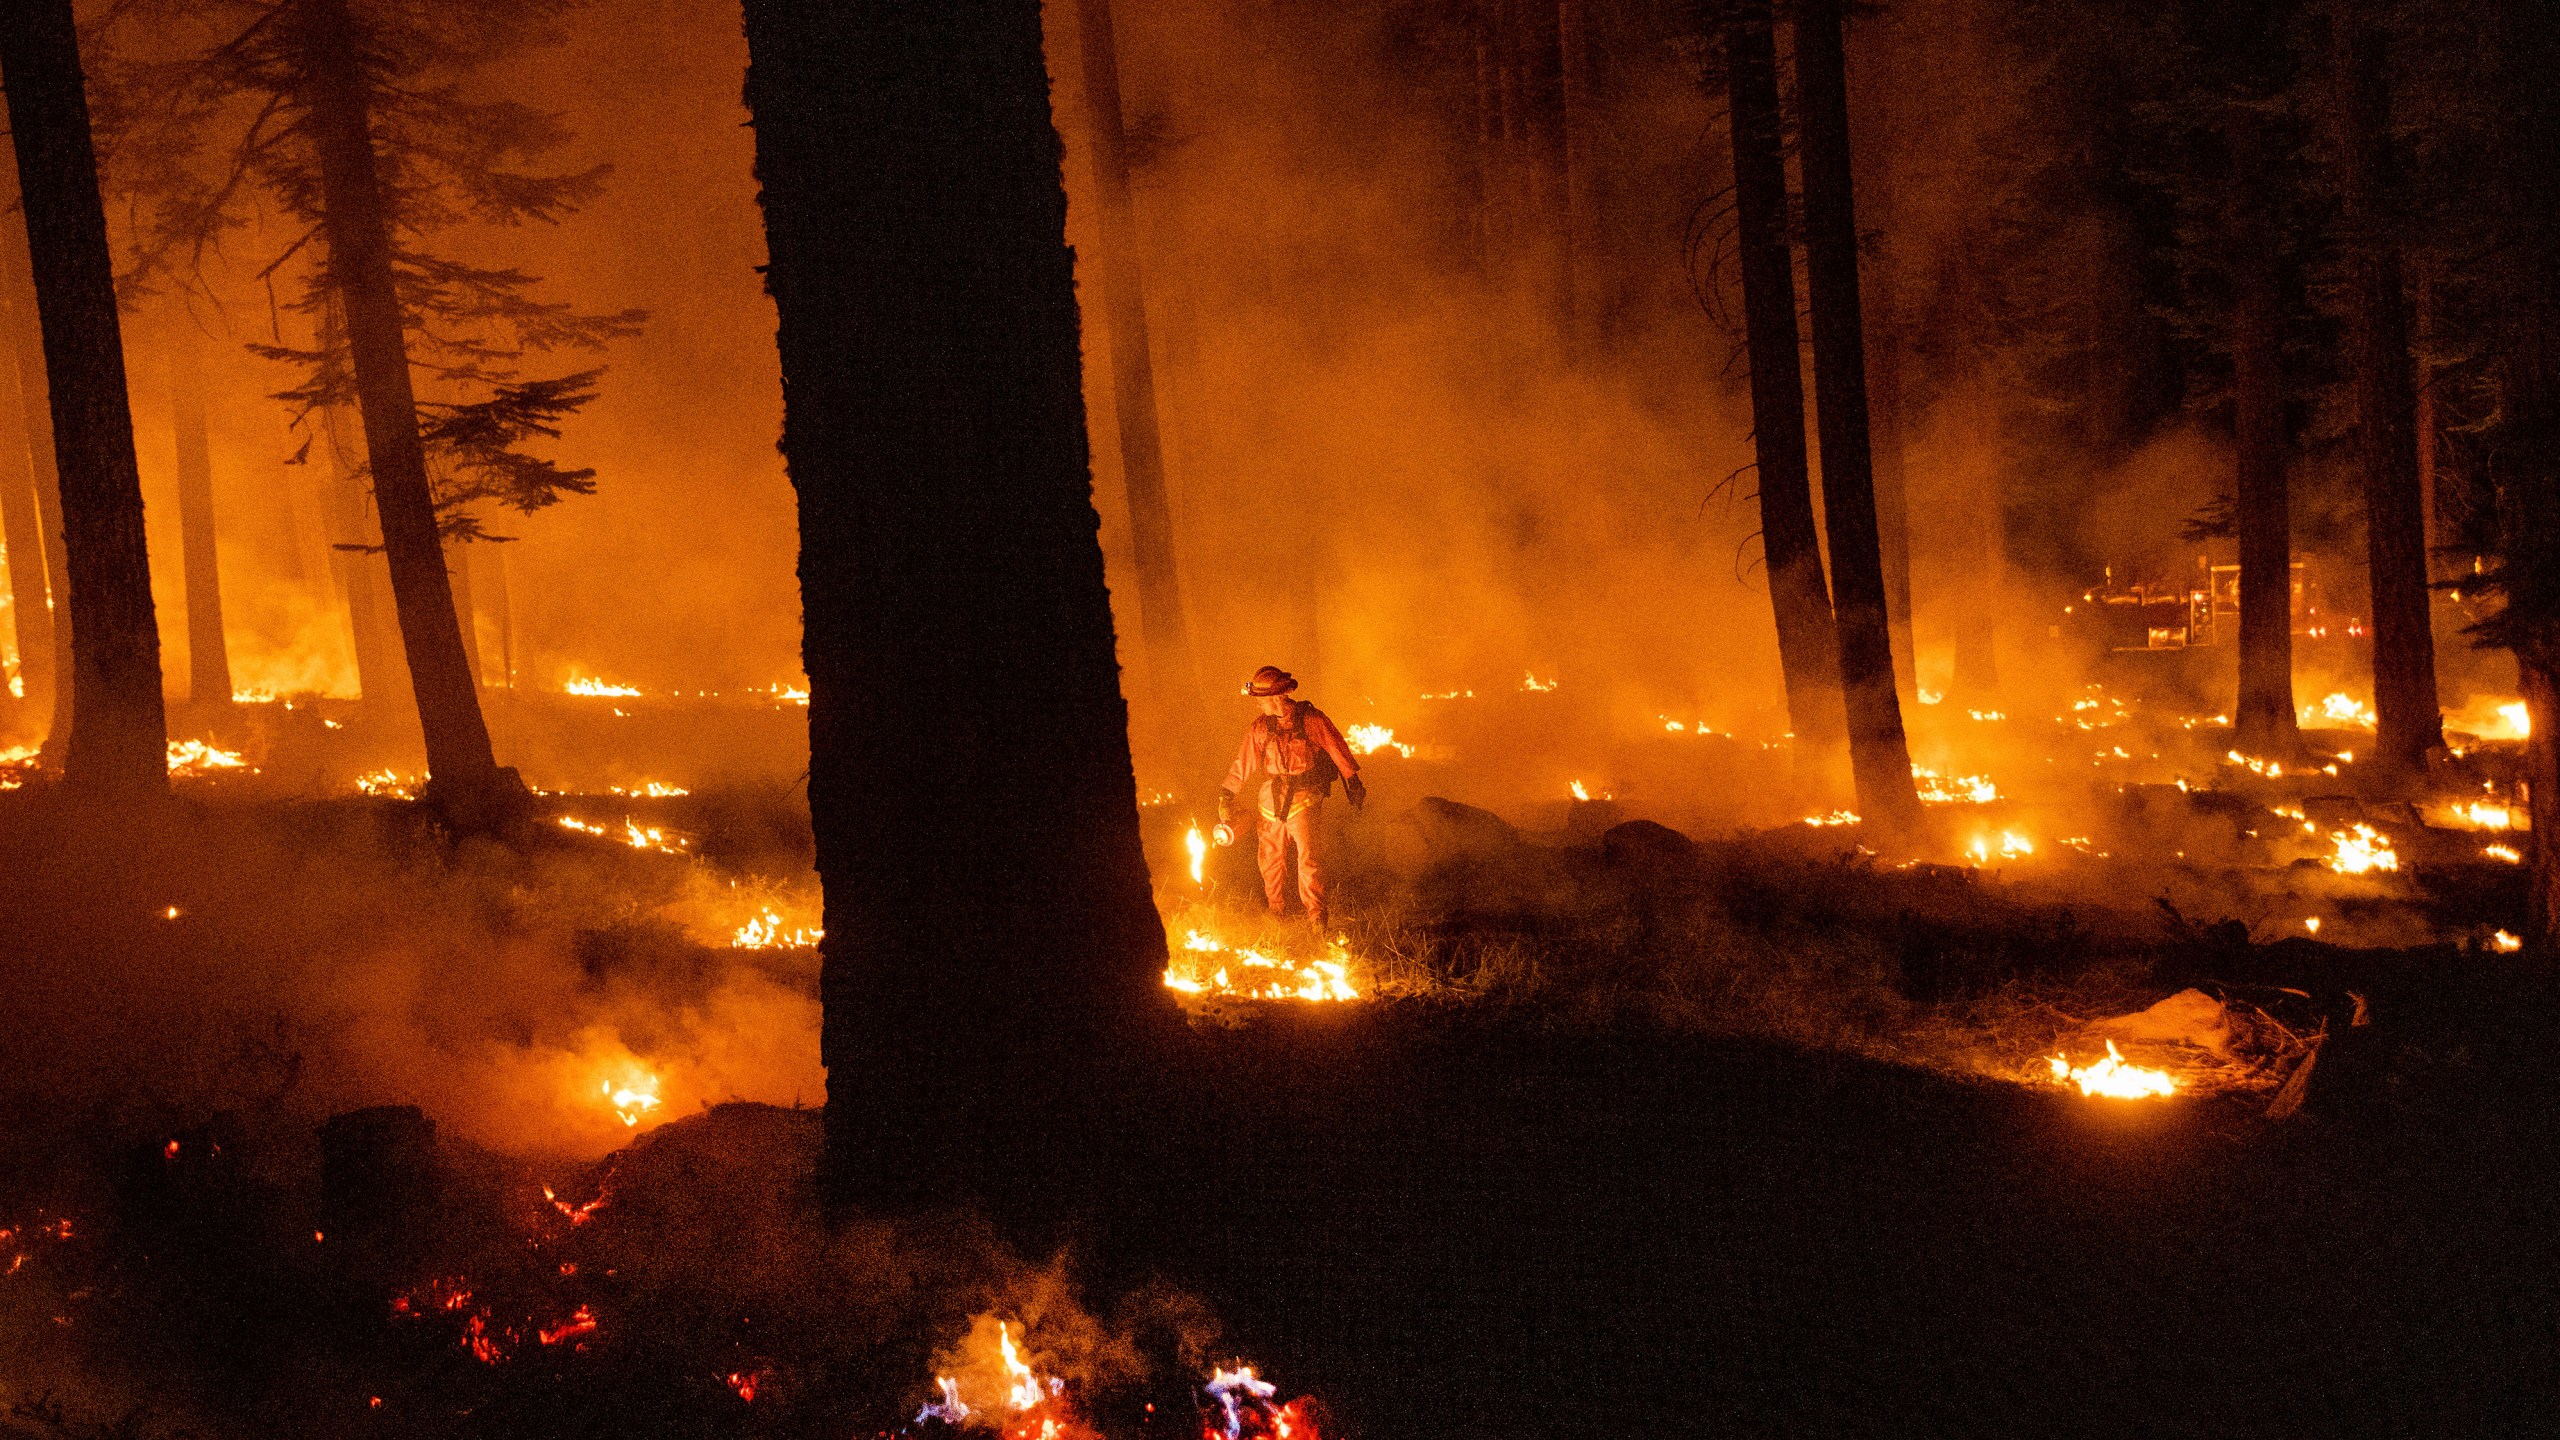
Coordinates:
<point>1879,756</point>
<point>2262,509</point>
<point>1808,646</point>
<point>208,655</point>
<point>121,745</point>
<point>2404,648</point>
<point>990,936</point>
<point>30,593</point>
<point>462,770</point>
<point>2538,667</point>
<point>1161,620</point>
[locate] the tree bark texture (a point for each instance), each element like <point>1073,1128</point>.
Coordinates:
<point>208,656</point>
<point>2404,650</point>
<point>462,768</point>
<point>30,593</point>
<point>2262,501</point>
<point>120,747</point>
<point>990,936</point>
<point>1808,645</point>
<point>1162,622</point>
<point>466,608</point>
<point>1879,755</point>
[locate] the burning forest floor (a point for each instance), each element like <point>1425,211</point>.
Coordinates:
<point>1625,1132</point>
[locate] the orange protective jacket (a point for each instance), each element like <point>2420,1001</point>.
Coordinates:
<point>1300,757</point>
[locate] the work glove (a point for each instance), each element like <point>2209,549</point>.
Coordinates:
<point>1358,791</point>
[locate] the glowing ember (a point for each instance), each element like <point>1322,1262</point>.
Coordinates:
<point>200,757</point>
<point>390,784</point>
<point>2113,1077</point>
<point>604,689</point>
<point>1936,789</point>
<point>577,1214</point>
<point>768,931</point>
<point>1197,845</point>
<point>2505,943</point>
<point>2312,924</point>
<point>1206,965</point>
<point>581,1322</point>
<point>1836,817</point>
<point>1369,739</point>
<point>2268,768</point>
<point>1987,714</point>
<point>2506,853</point>
<point>2361,849</point>
<point>2010,846</point>
<point>632,1100</point>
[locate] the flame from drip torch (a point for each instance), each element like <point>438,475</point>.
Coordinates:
<point>1198,846</point>
<point>2113,1077</point>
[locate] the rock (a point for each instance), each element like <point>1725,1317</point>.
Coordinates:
<point>1440,832</point>
<point>1642,843</point>
<point>2190,1017</point>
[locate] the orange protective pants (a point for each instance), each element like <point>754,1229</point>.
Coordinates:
<point>1272,850</point>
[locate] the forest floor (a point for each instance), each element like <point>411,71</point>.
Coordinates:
<point>1631,1134</point>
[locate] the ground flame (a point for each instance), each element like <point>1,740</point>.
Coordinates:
<point>1207,965</point>
<point>2113,1077</point>
<point>2360,849</point>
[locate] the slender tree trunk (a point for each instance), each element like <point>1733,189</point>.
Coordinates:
<point>31,594</point>
<point>208,655</point>
<point>1161,619</point>
<point>354,566</point>
<point>1879,757</point>
<point>2538,669</point>
<point>1578,122</point>
<point>2422,315</point>
<point>502,606</point>
<point>2265,723</point>
<point>1808,646</point>
<point>462,770</point>
<point>121,746</point>
<point>984,958</point>
<point>1980,542</point>
<point>1882,295</point>
<point>2404,649</point>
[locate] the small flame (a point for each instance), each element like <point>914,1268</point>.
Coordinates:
<point>200,757</point>
<point>1936,789</point>
<point>1579,793</point>
<point>1369,739</point>
<point>650,790</point>
<point>1530,682</point>
<point>767,932</point>
<point>1328,978</point>
<point>1836,817</point>
<point>2361,849</point>
<point>601,689</point>
<point>2506,943</point>
<point>1198,846</point>
<point>2312,924</point>
<point>2340,708</point>
<point>2113,1077</point>
<point>2505,853</point>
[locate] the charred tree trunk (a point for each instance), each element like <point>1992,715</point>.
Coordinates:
<point>1879,756</point>
<point>1161,619</point>
<point>463,777</point>
<point>30,592</point>
<point>208,655</point>
<point>1808,647</point>
<point>2404,648</point>
<point>2422,315</point>
<point>2262,509</point>
<point>121,746</point>
<point>983,959</point>
<point>1882,296</point>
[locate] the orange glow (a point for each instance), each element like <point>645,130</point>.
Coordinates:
<point>1197,846</point>
<point>191,758</point>
<point>1206,965</point>
<point>2360,850</point>
<point>632,1100</point>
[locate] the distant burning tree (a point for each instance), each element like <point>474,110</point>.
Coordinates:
<point>355,119</point>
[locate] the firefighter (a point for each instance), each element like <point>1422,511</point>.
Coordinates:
<point>1300,754</point>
